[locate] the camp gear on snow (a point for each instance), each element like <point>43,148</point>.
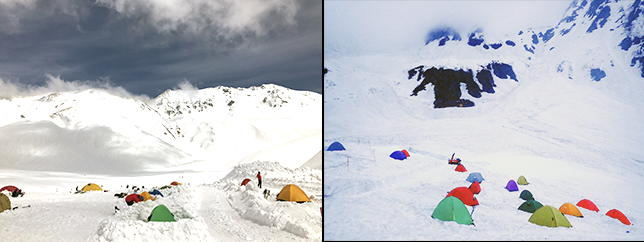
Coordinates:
<point>512,186</point>
<point>146,196</point>
<point>616,214</point>
<point>453,161</point>
<point>244,182</point>
<point>460,168</point>
<point>587,204</point>
<point>405,152</point>
<point>522,181</point>
<point>526,195</point>
<point>398,155</point>
<point>5,203</point>
<point>549,216</point>
<point>120,195</point>
<point>475,176</point>
<point>335,146</point>
<point>156,192</point>
<point>530,206</point>
<point>570,209</point>
<point>165,187</point>
<point>452,209</point>
<point>91,187</point>
<point>465,195</point>
<point>133,198</point>
<point>174,183</point>
<point>475,187</point>
<point>161,213</point>
<point>292,193</point>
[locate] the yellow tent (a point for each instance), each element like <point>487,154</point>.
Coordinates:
<point>146,196</point>
<point>522,181</point>
<point>5,203</point>
<point>91,187</point>
<point>292,193</point>
<point>570,209</point>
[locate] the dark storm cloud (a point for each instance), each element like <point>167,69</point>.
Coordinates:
<point>148,46</point>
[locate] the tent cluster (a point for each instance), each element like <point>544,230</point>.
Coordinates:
<point>453,206</point>
<point>550,216</point>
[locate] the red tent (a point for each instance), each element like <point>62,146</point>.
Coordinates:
<point>174,183</point>
<point>133,198</point>
<point>460,168</point>
<point>406,153</point>
<point>465,195</point>
<point>587,204</point>
<point>8,188</point>
<point>475,187</point>
<point>245,181</point>
<point>616,214</point>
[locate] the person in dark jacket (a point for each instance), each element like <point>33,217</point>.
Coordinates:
<point>259,179</point>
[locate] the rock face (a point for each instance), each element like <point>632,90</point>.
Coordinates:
<point>447,82</point>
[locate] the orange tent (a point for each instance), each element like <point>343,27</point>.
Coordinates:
<point>587,204</point>
<point>460,168</point>
<point>406,153</point>
<point>616,214</point>
<point>465,195</point>
<point>475,187</point>
<point>568,208</point>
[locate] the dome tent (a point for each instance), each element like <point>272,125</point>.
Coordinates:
<point>522,181</point>
<point>465,195</point>
<point>5,203</point>
<point>475,187</point>
<point>530,206</point>
<point>292,193</point>
<point>335,146</point>
<point>146,196</point>
<point>512,186</point>
<point>91,187</point>
<point>570,209</point>
<point>475,176</point>
<point>452,209</point>
<point>245,181</point>
<point>460,168</point>
<point>587,204</point>
<point>549,216</point>
<point>398,155</point>
<point>161,213</point>
<point>156,192</point>
<point>616,214</point>
<point>526,195</point>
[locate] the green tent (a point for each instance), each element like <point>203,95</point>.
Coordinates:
<point>530,206</point>
<point>549,216</point>
<point>5,203</point>
<point>161,214</point>
<point>452,209</point>
<point>522,181</point>
<point>526,195</point>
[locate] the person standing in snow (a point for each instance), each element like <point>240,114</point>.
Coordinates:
<point>259,179</point>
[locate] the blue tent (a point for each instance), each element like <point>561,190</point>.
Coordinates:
<point>475,176</point>
<point>156,192</point>
<point>512,186</point>
<point>335,146</point>
<point>398,155</point>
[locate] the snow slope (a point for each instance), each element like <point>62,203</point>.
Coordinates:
<point>50,144</point>
<point>572,137</point>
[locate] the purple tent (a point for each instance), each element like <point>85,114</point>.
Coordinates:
<point>512,186</point>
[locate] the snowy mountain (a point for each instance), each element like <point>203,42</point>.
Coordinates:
<point>208,139</point>
<point>560,105</point>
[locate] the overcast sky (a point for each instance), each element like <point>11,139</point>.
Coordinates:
<point>385,25</point>
<point>148,46</point>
